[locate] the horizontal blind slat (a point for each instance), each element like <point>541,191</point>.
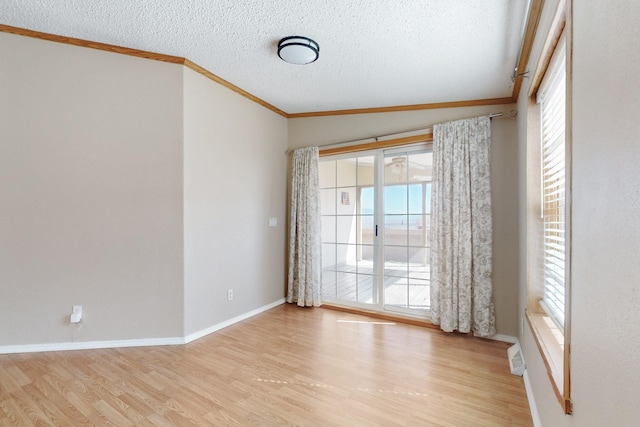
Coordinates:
<point>552,99</point>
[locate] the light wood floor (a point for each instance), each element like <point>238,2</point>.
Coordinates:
<point>288,366</point>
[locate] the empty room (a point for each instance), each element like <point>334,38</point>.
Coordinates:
<point>320,213</point>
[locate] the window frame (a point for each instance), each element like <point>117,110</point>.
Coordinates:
<point>553,339</point>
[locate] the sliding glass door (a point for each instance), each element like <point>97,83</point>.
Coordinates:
<point>375,229</point>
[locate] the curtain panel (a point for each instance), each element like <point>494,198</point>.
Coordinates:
<point>304,280</point>
<point>461,243</point>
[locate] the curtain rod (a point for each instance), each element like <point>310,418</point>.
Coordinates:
<point>498,115</point>
<point>523,33</point>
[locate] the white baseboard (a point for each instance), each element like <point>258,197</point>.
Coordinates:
<point>194,336</point>
<point>504,338</point>
<point>527,383</point>
<point>89,345</point>
<point>532,401</point>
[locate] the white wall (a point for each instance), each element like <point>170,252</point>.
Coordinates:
<point>235,179</point>
<point>90,193</point>
<point>136,188</point>
<point>310,131</point>
<point>606,212</point>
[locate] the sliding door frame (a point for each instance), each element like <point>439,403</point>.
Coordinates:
<point>422,145</point>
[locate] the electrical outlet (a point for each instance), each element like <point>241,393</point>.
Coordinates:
<point>230,295</point>
<point>76,314</point>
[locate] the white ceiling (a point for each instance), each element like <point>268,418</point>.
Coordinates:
<point>373,53</point>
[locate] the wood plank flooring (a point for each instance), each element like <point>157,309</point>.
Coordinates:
<point>288,366</point>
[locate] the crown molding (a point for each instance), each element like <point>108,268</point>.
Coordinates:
<point>390,109</point>
<point>531,28</point>
<point>92,45</point>
<point>139,54</point>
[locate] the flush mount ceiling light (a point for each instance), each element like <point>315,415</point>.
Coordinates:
<point>298,50</point>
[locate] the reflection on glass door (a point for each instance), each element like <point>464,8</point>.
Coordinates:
<point>375,212</point>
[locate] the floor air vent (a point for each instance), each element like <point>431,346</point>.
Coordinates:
<point>516,361</point>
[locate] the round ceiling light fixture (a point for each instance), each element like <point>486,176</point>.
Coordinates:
<point>298,50</point>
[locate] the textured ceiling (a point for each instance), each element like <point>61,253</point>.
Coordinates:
<point>373,53</point>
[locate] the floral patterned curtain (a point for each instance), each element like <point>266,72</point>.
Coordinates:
<point>304,284</point>
<point>461,289</point>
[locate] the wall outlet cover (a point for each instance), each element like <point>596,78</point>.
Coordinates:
<point>76,314</point>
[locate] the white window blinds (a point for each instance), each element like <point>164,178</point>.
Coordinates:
<point>551,97</point>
